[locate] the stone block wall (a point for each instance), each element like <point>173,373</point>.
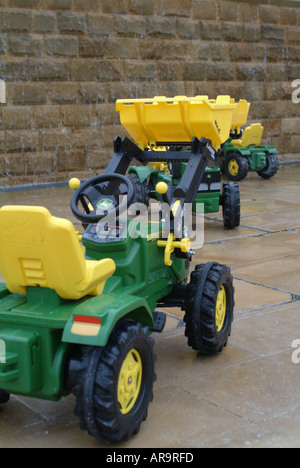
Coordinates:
<point>65,62</point>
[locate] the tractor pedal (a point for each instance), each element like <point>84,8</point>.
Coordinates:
<point>159,321</point>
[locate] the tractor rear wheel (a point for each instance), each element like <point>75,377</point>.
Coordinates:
<point>271,168</point>
<point>209,308</point>
<point>4,397</point>
<point>115,384</point>
<point>142,193</point>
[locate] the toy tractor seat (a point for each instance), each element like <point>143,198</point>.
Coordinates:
<point>251,136</point>
<point>38,249</point>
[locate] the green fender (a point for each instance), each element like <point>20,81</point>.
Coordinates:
<point>142,172</point>
<point>268,149</point>
<point>109,308</point>
<point>248,151</point>
<point>242,151</point>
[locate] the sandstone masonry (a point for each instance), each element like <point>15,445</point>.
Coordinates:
<point>65,62</point>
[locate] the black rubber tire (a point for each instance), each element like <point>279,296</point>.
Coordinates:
<point>200,308</point>
<point>222,164</point>
<point>243,166</point>
<point>96,388</point>
<point>4,397</point>
<point>231,204</point>
<point>142,192</point>
<point>271,168</point>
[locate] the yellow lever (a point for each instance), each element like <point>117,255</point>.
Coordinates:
<point>170,245</point>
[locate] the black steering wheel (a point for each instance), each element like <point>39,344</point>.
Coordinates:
<point>100,195</point>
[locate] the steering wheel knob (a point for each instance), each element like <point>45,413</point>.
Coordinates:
<point>74,183</point>
<point>100,195</point>
<point>161,188</point>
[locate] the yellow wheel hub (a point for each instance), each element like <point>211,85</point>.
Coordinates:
<point>233,167</point>
<point>130,379</point>
<point>221,309</point>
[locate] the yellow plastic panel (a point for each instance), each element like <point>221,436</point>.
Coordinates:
<point>251,136</point>
<point>240,115</point>
<point>177,119</point>
<point>37,249</point>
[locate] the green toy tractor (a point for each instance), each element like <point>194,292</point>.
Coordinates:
<point>76,314</point>
<point>241,155</point>
<point>77,310</point>
<point>211,192</point>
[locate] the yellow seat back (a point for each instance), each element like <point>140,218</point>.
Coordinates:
<point>251,136</point>
<point>38,249</point>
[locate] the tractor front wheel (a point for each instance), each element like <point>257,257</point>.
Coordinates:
<point>209,308</point>
<point>236,167</point>
<point>115,384</point>
<point>231,204</point>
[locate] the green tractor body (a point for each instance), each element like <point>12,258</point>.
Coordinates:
<point>37,327</point>
<point>211,193</point>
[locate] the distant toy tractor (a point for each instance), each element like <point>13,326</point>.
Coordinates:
<point>160,125</point>
<point>211,193</point>
<point>244,153</point>
<point>77,311</point>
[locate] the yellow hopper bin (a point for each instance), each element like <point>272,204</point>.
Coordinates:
<point>240,115</point>
<point>178,119</point>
